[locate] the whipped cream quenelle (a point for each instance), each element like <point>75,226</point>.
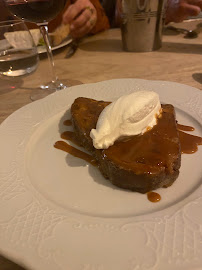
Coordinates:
<point>129,115</point>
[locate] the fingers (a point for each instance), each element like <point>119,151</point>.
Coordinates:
<point>194,11</point>
<point>177,12</point>
<point>81,16</point>
<point>76,9</point>
<point>187,10</point>
<point>70,14</point>
<point>81,20</point>
<point>195,3</point>
<point>81,31</point>
<point>82,25</point>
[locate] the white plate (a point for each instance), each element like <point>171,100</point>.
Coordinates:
<point>42,49</point>
<point>57,212</point>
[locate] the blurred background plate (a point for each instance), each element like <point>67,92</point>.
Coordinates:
<point>42,49</point>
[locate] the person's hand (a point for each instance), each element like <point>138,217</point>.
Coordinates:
<point>82,17</point>
<point>179,10</point>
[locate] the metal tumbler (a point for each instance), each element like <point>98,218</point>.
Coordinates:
<point>141,24</point>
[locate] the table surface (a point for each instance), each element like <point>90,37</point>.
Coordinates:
<point>99,58</point>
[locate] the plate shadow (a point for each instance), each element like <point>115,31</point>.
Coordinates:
<point>111,45</point>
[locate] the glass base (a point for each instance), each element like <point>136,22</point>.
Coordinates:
<point>54,86</point>
<point>50,88</point>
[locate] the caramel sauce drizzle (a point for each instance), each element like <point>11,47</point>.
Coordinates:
<point>185,128</point>
<point>153,197</point>
<point>75,152</point>
<point>189,145</point>
<point>70,136</point>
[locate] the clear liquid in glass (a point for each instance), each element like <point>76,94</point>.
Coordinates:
<point>18,62</point>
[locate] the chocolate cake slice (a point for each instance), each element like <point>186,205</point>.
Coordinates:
<point>139,163</point>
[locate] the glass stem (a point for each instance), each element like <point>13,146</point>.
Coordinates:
<point>44,32</point>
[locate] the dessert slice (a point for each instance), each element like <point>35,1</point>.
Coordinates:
<point>139,163</point>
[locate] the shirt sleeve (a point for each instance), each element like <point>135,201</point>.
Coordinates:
<point>102,20</point>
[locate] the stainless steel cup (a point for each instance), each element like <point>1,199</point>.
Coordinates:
<point>141,24</point>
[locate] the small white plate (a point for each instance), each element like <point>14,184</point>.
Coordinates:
<point>42,49</point>
<point>59,213</point>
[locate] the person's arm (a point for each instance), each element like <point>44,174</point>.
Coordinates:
<point>84,17</point>
<point>81,18</point>
<point>178,10</point>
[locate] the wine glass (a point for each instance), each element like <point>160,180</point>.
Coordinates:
<point>40,12</point>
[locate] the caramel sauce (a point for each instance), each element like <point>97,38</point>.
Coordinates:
<point>185,128</point>
<point>67,122</point>
<point>75,152</point>
<point>153,147</point>
<point>70,136</point>
<point>189,143</point>
<point>150,153</point>
<point>153,197</point>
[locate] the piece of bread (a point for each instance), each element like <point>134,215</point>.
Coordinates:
<point>140,163</point>
<point>60,33</point>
